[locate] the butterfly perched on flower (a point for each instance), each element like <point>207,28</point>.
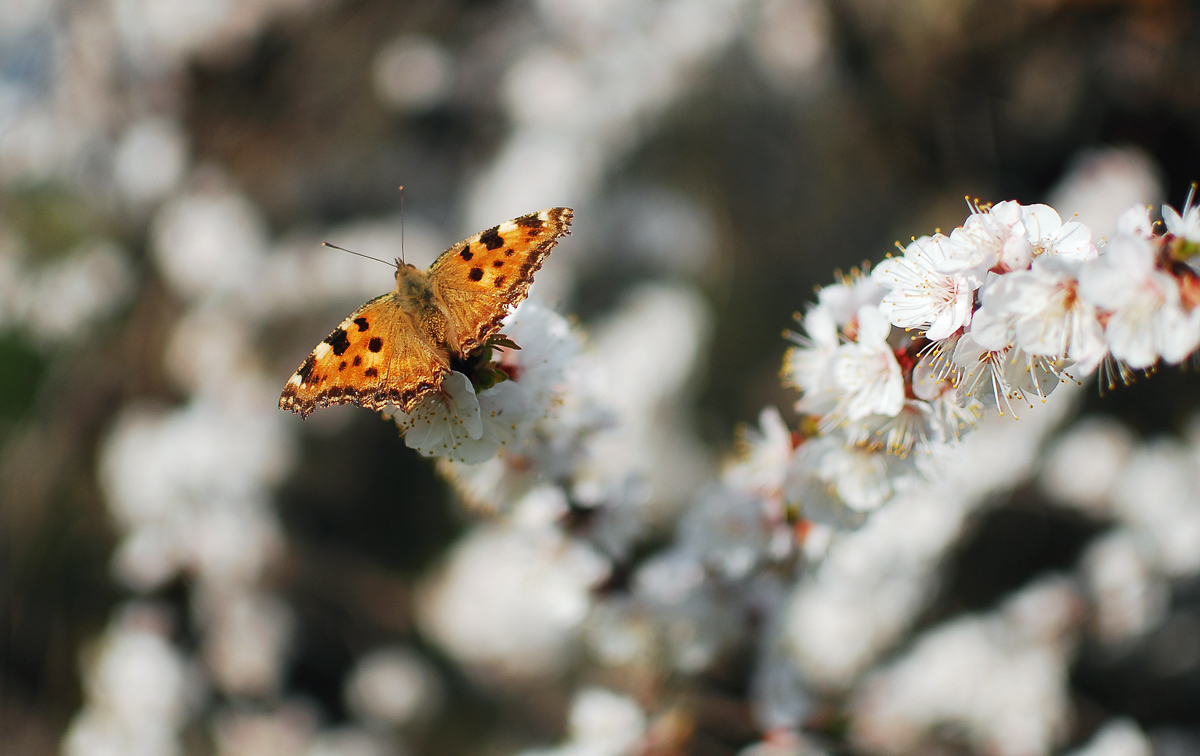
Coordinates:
<point>397,348</point>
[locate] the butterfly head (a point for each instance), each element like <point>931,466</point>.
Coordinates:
<point>412,283</point>
<point>406,274</point>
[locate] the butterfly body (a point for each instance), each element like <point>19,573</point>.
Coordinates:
<point>417,301</point>
<point>398,347</point>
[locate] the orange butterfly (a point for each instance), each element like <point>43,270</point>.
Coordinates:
<point>398,347</point>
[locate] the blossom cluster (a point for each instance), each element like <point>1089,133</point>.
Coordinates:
<point>895,364</point>
<point>894,367</point>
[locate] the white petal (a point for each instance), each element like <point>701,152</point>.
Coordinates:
<point>1136,222</point>
<point>1074,242</point>
<point>1042,223</point>
<point>1173,220</point>
<point>991,330</point>
<point>872,325</point>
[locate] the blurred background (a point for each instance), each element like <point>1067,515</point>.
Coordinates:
<point>186,570</point>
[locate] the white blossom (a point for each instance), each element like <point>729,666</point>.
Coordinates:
<point>866,372</point>
<point>997,377</point>
<point>1008,236</point>
<point>808,365</point>
<point>1186,224</point>
<point>989,238</point>
<point>1040,312</point>
<point>845,299</point>
<point>561,413</point>
<point>456,423</point>
<point>926,292</point>
<point>1100,183</point>
<point>1050,237</point>
<point>765,453</point>
<point>285,730</point>
<point>839,484</point>
<point>1136,221</point>
<point>1146,319</point>
<point>935,382</point>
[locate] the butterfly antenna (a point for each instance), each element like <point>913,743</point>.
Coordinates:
<point>376,259</point>
<point>402,259</point>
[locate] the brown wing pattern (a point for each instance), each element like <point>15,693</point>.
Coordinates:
<point>373,357</point>
<point>480,279</point>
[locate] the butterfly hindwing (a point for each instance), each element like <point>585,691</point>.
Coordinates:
<point>480,279</point>
<point>374,356</point>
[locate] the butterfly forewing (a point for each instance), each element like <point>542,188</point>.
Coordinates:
<point>373,357</point>
<point>480,279</point>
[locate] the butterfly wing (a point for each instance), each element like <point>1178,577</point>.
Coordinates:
<point>373,357</point>
<point>480,279</point>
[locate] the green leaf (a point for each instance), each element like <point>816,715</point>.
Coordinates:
<point>503,341</point>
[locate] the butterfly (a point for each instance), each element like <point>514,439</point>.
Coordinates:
<point>398,347</point>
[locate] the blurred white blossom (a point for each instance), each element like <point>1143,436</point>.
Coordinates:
<point>791,42</point>
<point>246,639</point>
<point>1100,184</point>
<point>150,160</point>
<point>1001,677</point>
<point>1156,496</point>
<point>1117,737</point>
<point>209,241</point>
<point>510,599</point>
<point>412,72</point>
<point>1084,465</point>
<point>59,301</point>
<point>601,723</point>
<point>189,488</point>
<point>287,730</point>
<point>1128,597</point>
<point>393,685</point>
<point>138,689</point>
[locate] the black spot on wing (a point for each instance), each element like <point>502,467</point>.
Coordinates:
<point>362,324</point>
<point>357,360</point>
<point>531,221</point>
<point>338,341</point>
<point>375,344</point>
<point>305,371</point>
<point>499,281</point>
<point>342,366</point>
<point>491,238</point>
<point>371,372</point>
<point>497,263</point>
<point>475,274</point>
<point>466,253</point>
